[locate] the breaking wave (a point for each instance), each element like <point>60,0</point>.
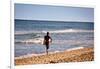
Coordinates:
<point>53,31</point>
<point>31,41</point>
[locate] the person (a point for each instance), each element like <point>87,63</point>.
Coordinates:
<point>47,40</point>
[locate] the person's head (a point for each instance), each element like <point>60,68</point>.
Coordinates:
<point>47,33</point>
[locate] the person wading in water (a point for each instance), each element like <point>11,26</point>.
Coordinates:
<point>47,40</point>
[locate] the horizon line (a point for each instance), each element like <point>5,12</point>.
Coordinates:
<point>53,20</point>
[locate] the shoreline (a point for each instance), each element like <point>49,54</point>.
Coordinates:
<point>30,55</point>
<point>79,54</point>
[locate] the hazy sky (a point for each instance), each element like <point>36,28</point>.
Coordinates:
<point>56,13</point>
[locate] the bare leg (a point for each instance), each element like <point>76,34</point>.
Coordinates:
<point>47,51</point>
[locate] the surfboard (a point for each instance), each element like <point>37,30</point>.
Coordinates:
<point>44,42</point>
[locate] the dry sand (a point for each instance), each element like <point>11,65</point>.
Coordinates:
<point>79,55</point>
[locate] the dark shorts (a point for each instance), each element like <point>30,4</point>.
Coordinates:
<point>47,45</point>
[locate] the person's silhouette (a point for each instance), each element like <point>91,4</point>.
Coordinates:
<point>47,40</point>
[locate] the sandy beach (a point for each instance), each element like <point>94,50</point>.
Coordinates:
<point>77,55</point>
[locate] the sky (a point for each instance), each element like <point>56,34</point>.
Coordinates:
<point>53,13</point>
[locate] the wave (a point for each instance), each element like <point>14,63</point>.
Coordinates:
<point>68,31</point>
<point>58,42</point>
<point>25,32</point>
<point>53,31</point>
<point>32,41</point>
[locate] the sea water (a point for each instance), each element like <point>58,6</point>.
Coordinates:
<point>65,35</point>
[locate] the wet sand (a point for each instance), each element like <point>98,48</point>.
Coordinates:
<point>78,55</point>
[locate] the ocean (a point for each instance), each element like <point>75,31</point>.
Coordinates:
<point>65,35</point>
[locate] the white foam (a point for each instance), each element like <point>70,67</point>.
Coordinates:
<point>76,48</point>
<point>33,41</point>
<point>53,31</point>
<point>68,31</point>
<point>36,41</point>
